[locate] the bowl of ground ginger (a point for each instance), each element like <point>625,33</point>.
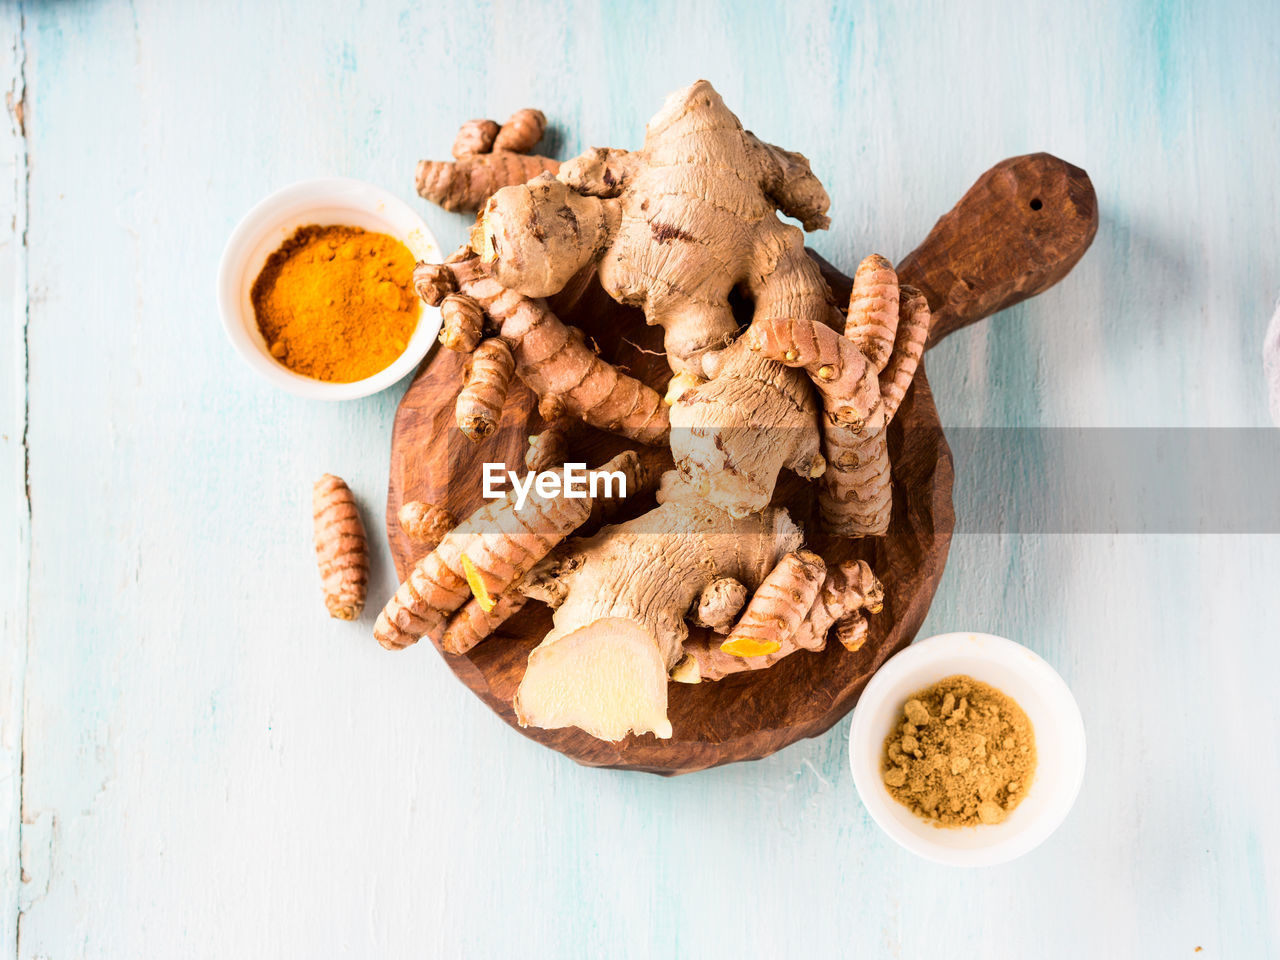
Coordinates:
<point>316,289</point>
<point>967,749</point>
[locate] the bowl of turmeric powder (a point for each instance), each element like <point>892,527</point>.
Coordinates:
<point>316,291</point>
<point>967,749</point>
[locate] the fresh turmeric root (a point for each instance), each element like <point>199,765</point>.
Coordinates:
<point>435,587</point>
<point>341,548</point>
<point>778,607</point>
<point>908,348</point>
<point>474,136</point>
<point>486,158</point>
<point>473,623</point>
<point>872,322</point>
<point>552,359</point>
<point>482,558</point>
<point>849,591</point>
<point>858,399</point>
<point>425,523</point>
<point>488,378</point>
<point>522,132</point>
<point>548,449</point>
<point>461,323</point>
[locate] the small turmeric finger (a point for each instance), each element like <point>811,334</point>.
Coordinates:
<point>556,363</point>
<point>551,407</point>
<point>433,282</point>
<point>434,589</point>
<point>461,323</point>
<point>779,606</point>
<point>481,558</point>
<point>848,590</point>
<point>873,310</point>
<point>507,541</point>
<point>856,497</point>
<point>474,136</point>
<point>488,377</point>
<point>862,590</point>
<point>845,380</point>
<point>341,547</point>
<point>468,183</point>
<point>522,132</point>
<point>548,449</point>
<point>852,632</point>
<point>472,623</point>
<point>425,522</point>
<point>908,348</point>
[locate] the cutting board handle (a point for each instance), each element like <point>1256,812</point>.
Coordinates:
<point>1018,231</point>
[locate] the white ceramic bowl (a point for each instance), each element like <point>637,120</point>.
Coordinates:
<point>1049,705</point>
<point>264,228</point>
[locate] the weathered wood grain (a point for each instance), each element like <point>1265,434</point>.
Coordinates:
<point>212,768</point>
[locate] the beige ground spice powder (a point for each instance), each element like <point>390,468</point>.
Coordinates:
<point>963,753</point>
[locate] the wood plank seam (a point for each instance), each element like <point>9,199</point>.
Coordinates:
<point>16,440</point>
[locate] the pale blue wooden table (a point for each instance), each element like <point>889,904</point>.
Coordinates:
<point>198,763</point>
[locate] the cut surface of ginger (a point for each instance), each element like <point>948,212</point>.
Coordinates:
<point>607,678</point>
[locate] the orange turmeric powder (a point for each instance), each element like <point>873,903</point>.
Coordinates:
<point>337,303</point>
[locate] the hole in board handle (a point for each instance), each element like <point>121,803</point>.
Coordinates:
<point>1036,203</point>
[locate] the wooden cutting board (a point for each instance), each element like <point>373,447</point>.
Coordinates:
<point>1019,230</point>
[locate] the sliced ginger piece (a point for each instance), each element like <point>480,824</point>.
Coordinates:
<point>607,678</point>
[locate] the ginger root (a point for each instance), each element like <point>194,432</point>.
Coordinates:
<point>622,595</point>
<point>673,227</point>
<point>719,603</point>
<point>342,551</point>
<point>732,434</point>
<point>486,158</point>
